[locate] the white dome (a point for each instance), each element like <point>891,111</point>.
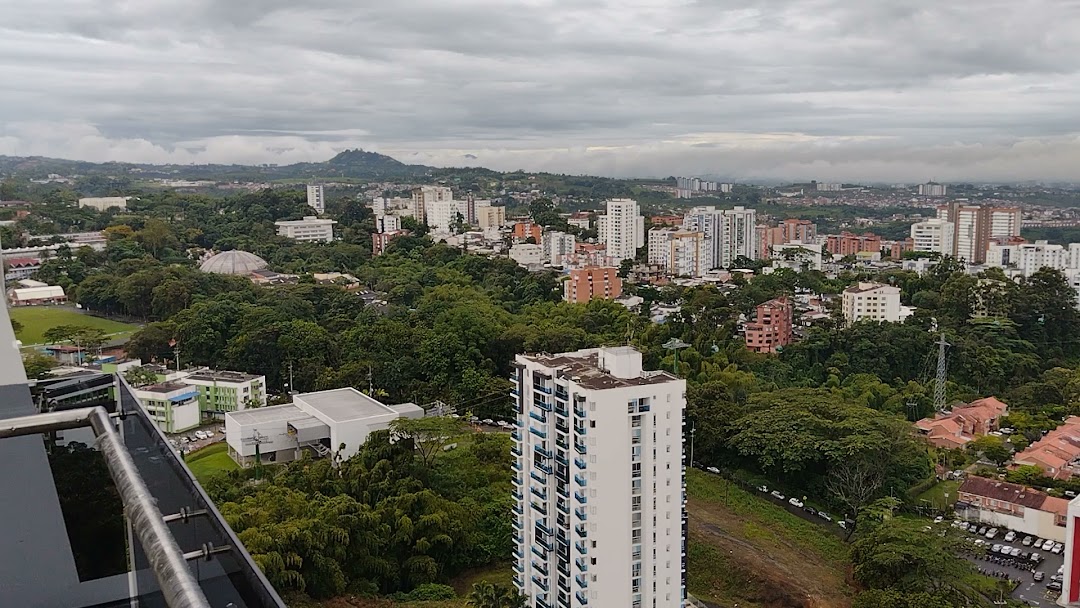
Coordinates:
<point>233,262</point>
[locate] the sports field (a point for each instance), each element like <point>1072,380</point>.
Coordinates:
<point>210,461</point>
<point>36,320</point>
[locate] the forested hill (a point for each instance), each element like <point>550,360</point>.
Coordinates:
<point>347,164</point>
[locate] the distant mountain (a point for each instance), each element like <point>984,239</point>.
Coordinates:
<point>357,164</point>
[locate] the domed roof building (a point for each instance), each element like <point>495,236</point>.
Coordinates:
<point>233,262</point>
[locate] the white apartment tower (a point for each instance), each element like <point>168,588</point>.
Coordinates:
<point>680,252</point>
<point>600,508</point>
<point>622,229</point>
<point>934,235</point>
<point>557,246</point>
<point>728,233</point>
<point>315,198</point>
<point>426,195</point>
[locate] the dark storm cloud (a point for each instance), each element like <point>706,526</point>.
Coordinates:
<point>818,88</point>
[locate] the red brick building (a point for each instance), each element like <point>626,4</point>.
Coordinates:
<point>771,329</point>
<point>899,248</point>
<point>847,243</point>
<point>586,284</point>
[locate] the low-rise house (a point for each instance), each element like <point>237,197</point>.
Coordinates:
<point>20,268</point>
<point>37,296</point>
<point>1057,453</point>
<point>1012,506</point>
<point>964,423</point>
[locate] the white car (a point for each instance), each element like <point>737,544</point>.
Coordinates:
<point>795,502</point>
<point>824,515</point>
<point>777,495</point>
<point>995,549</point>
<point>1011,536</point>
<point>991,533</point>
<point>939,519</point>
<point>713,470</point>
<point>1048,545</point>
<point>1057,548</point>
<point>1014,551</point>
<point>1027,541</point>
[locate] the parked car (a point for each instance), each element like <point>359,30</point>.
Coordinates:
<point>1054,585</point>
<point>995,549</point>
<point>964,525</point>
<point>795,502</point>
<point>1027,541</point>
<point>777,495</point>
<point>1035,557</point>
<point>1057,548</point>
<point>185,440</point>
<point>939,519</point>
<point>991,533</point>
<point>982,530</point>
<point>1048,545</point>
<point>1014,551</point>
<point>713,470</point>
<point>824,515</point>
<point>1011,536</point>
<point>763,489</point>
<point>810,510</point>
<point>1039,576</point>
<point>488,421</point>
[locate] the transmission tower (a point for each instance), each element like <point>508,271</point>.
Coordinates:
<point>939,384</point>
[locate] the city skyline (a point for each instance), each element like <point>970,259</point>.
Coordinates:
<point>834,90</point>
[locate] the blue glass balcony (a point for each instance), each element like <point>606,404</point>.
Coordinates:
<point>561,410</point>
<point>561,393</point>
<point>581,548</point>
<point>561,426</point>
<point>580,463</point>
<point>562,443</point>
<point>539,492</point>
<point>538,477</point>
<point>581,514</point>
<point>515,465</point>
<point>538,552</point>
<point>517,509</point>
<point>516,436</point>
<point>542,452</point>
<point>581,582</point>
<point>582,564</point>
<point>579,429</point>
<point>544,543</point>
<point>515,450</point>
<point>543,389</point>
<point>580,479</point>
<point>579,447</point>
<point>518,553</point>
<point>518,568</point>
<point>562,460</point>
<point>579,411</point>
<point>563,506</point>
<point>580,497</point>
<point>516,480</point>
<point>539,507</point>
<point>580,529</point>
<point>544,405</point>
<point>538,417</point>
<point>540,583</point>
<point>538,432</point>
<point>540,567</point>
<point>542,604</point>
<point>514,391</point>
<point>543,467</point>
<point>543,528</point>
<point>581,598</point>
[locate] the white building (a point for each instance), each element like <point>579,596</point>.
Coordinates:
<point>310,229</point>
<point>622,229</point>
<point>934,235</point>
<point>103,203</point>
<point>426,195</point>
<point>488,215</point>
<point>932,189</point>
<point>387,223</point>
<point>872,302</point>
<point>528,255</point>
<point>173,406</point>
<point>1028,258</point>
<point>557,246</point>
<point>729,233</point>
<point>323,422</point>
<point>829,187</point>
<point>1005,221</point>
<point>599,475</point>
<point>315,198</point>
<point>226,391</point>
<point>443,215</point>
<point>680,252</point>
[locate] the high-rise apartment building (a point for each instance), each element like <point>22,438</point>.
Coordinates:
<point>847,243</point>
<point>680,252</point>
<point>872,302</point>
<point>1005,222</point>
<point>932,189</point>
<point>933,235</point>
<point>488,215</point>
<point>443,216</point>
<point>802,231</point>
<point>974,226</point>
<point>600,508</point>
<point>594,282</point>
<point>315,198</point>
<point>622,228</point>
<point>424,196</point>
<point>728,233</point>
<point>558,246</point>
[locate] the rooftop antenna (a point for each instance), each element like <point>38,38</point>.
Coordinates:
<point>256,439</point>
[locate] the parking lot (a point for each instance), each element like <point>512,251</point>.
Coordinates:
<point>212,434</point>
<point>1034,593</point>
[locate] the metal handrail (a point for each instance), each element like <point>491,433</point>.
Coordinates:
<point>167,561</point>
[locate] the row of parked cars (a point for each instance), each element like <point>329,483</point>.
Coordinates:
<point>196,436</point>
<point>991,532</point>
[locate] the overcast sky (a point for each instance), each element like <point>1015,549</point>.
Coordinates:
<point>895,90</point>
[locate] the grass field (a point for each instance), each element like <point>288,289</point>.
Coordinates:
<point>210,461</point>
<point>941,496</point>
<point>36,320</point>
<point>748,552</point>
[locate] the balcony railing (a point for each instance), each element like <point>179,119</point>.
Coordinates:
<point>544,405</point>
<point>539,507</point>
<point>539,477</point>
<point>542,452</point>
<point>580,462</point>
<point>538,432</point>
<point>582,598</point>
<point>580,479</point>
<point>581,563</point>
<point>538,417</point>
<point>543,467</point>
<point>540,583</point>
<point>539,493</point>
<point>579,429</point>
<point>579,447</point>
<point>580,497</point>
<point>581,513</point>
<point>542,389</point>
<point>581,548</point>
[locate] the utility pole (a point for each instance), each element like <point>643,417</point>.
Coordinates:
<point>176,352</point>
<point>693,429</point>
<point>292,387</point>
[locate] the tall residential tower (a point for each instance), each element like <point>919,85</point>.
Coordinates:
<point>622,229</point>
<point>600,514</point>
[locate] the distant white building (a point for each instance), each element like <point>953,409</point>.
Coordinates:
<point>829,187</point>
<point>315,198</point>
<point>932,189</point>
<point>622,229</point>
<point>872,302</point>
<point>443,215</point>
<point>322,422</point>
<point>557,246</point>
<point>424,196</point>
<point>489,216</point>
<point>933,235</point>
<point>680,252</point>
<point>387,223</point>
<point>796,256</point>
<point>173,406</point>
<point>528,255</point>
<point>104,203</point>
<point>1028,258</point>
<point>729,233</point>
<point>309,229</point>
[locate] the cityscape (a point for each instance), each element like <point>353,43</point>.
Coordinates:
<point>551,304</point>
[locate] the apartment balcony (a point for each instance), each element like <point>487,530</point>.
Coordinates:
<point>560,409</point>
<point>542,389</point>
<point>579,429</point>
<point>516,480</point>
<point>580,529</point>
<point>546,468</point>
<point>517,552</point>
<point>579,448</point>
<point>562,506</point>
<point>582,564</point>
<point>564,600</point>
<point>541,603</point>
<point>579,411</point>
<point>541,452</point>
<point>540,567</point>
<point>543,528</point>
<point>581,581</point>
<point>561,393</point>
<point>581,513</point>
<point>581,548</point>
<point>540,583</point>
<point>562,426</point>
<point>538,432</point>
<point>515,465</point>
<point>517,509</point>
<point>562,443</point>
<point>544,405</point>
<point>579,479</point>
<point>580,463</point>
<point>538,477</point>
<point>538,492</point>
<point>515,435</point>
<point>564,585</point>
<point>582,598</point>
<point>559,458</point>
<point>539,507</point>
<point>580,497</point>
<point>538,552</point>
<point>518,568</point>
<point>514,391</point>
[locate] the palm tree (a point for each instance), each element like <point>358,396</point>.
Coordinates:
<point>487,595</point>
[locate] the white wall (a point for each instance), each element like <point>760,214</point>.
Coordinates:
<point>186,416</point>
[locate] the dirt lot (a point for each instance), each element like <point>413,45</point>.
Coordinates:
<point>747,552</point>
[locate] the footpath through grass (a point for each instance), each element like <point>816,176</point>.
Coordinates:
<point>746,551</point>
<point>36,320</point>
<point>210,461</point>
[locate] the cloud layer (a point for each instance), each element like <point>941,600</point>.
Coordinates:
<point>828,89</point>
